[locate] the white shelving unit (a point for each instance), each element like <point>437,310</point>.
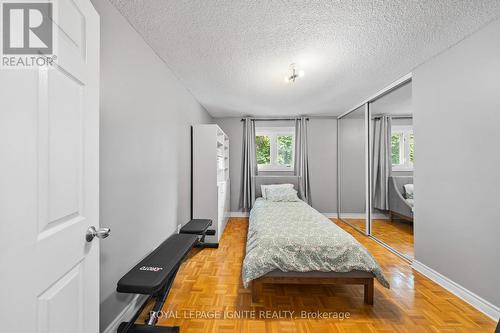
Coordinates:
<point>211,177</point>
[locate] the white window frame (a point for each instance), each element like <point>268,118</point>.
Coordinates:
<point>273,133</point>
<point>404,148</point>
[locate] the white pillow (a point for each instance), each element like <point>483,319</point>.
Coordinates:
<point>263,188</point>
<point>408,191</point>
<point>282,194</point>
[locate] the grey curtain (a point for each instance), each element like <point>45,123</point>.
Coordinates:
<point>301,159</point>
<point>249,165</point>
<point>382,164</point>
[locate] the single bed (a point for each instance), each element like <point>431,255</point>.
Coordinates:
<point>292,243</point>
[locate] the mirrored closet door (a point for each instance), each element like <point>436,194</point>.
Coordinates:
<point>376,158</point>
<point>392,158</point>
<point>352,148</point>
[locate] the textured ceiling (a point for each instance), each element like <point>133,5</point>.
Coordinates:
<point>233,55</point>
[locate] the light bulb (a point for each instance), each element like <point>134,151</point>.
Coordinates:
<point>301,73</point>
<point>286,79</point>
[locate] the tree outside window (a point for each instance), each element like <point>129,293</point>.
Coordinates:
<point>275,148</point>
<point>263,149</point>
<point>285,150</point>
<point>402,148</point>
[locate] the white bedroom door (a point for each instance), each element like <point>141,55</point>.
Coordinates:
<point>49,182</point>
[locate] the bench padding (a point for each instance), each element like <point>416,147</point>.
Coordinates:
<point>150,275</point>
<point>196,227</point>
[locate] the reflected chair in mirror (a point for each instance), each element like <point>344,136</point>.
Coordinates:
<point>399,206</point>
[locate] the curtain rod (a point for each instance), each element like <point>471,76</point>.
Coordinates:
<point>272,119</point>
<point>396,117</point>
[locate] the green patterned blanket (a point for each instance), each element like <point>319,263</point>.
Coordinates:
<point>293,236</point>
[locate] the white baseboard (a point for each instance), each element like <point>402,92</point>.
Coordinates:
<point>238,214</point>
<point>126,314</point>
<point>468,296</point>
<point>380,216</point>
<point>354,215</point>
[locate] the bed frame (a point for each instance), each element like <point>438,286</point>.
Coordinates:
<point>312,278</point>
<point>315,278</point>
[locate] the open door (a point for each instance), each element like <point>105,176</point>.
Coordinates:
<point>49,181</point>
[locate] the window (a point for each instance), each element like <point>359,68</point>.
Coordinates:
<point>402,148</point>
<point>275,148</point>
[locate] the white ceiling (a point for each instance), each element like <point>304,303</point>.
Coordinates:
<point>233,55</point>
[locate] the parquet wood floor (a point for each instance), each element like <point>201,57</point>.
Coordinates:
<point>398,234</point>
<point>210,280</point>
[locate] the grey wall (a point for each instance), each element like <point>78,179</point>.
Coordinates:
<point>322,144</point>
<point>352,162</point>
<point>145,152</point>
<point>322,135</point>
<point>402,122</point>
<point>457,122</point>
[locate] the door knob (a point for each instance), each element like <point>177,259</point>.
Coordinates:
<point>99,233</point>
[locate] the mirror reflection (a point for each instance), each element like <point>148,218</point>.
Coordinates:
<point>392,158</point>
<point>352,169</point>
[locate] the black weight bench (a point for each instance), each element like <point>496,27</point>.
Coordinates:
<point>200,227</point>
<point>155,274</point>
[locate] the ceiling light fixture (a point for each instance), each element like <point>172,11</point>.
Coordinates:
<point>294,74</point>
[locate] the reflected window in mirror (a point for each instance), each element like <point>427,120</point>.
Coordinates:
<point>402,148</point>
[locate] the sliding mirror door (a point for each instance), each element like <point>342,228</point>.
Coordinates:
<point>352,142</point>
<point>392,158</point>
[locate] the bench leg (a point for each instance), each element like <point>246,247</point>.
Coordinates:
<point>368,294</point>
<point>256,291</point>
